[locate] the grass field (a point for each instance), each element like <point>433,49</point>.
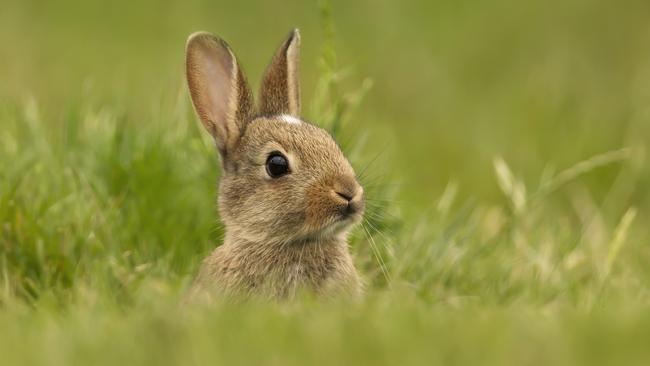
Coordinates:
<point>504,149</point>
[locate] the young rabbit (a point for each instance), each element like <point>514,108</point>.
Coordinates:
<point>287,195</point>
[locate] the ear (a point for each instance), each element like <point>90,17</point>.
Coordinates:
<point>219,91</point>
<point>280,90</point>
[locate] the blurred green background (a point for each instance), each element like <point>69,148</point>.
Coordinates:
<point>504,150</point>
<point>541,83</point>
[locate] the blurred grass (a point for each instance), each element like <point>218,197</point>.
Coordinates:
<point>502,144</point>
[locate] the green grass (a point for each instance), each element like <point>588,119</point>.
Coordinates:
<point>503,148</point>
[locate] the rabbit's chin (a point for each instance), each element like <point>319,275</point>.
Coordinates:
<point>335,229</point>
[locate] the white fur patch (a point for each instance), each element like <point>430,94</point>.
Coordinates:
<point>290,119</point>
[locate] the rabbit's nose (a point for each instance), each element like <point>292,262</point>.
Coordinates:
<point>355,194</point>
<point>347,188</point>
<point>350,195</point>
<point>345,195</point>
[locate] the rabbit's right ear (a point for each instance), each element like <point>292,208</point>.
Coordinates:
<point>219,91</point>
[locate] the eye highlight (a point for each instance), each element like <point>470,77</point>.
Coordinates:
<point>276,165</point>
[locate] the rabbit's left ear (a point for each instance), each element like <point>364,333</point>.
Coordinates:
<point>280,89</point>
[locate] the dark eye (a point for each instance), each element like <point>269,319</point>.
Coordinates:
<point>277,165</point>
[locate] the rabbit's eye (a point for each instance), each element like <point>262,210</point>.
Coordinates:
<point>277,165</point>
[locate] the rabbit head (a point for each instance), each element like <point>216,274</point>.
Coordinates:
<point>283,179</point>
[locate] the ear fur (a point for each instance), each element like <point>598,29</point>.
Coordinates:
<point>280,88</point>
<point>220,94</point>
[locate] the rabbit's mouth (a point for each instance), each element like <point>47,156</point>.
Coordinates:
<point>337,225</point>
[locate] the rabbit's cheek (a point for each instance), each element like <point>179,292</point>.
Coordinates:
<point>320,207</point>
<point>232,196</point>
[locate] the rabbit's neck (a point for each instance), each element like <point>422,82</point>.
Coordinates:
<point>281,270</point>
<point>315,255</point>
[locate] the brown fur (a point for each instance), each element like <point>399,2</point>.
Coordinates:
<point>283,235</point>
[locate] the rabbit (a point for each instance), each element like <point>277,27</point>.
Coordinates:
<point>288,197</point>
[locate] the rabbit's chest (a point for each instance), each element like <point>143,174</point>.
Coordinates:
<point>280,273</point>
<point>286,274</point>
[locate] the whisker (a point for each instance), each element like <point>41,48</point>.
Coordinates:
<point>377,216</point>
<point>378,208</point>
<point>373,227</point>
<point>380,214</point>
<point>375,251</point>
<point>372,199</point>
<point>372,161</point>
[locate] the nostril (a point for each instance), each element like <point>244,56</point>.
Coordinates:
<point>346,196</point>
<point>351,208</point>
